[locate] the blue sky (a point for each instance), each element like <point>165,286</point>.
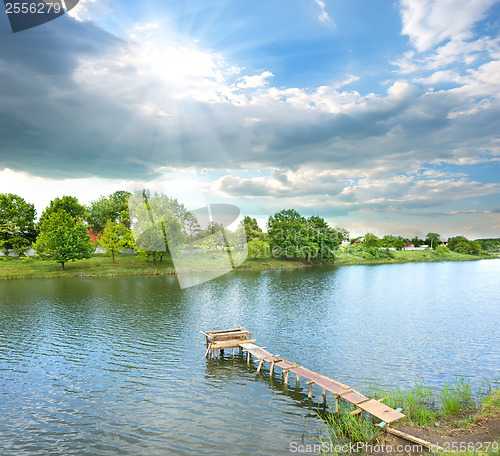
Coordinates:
<point>378,116</point>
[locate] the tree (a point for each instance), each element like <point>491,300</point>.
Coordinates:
<point>252,229</point>
<point>454,241</point>
<point>17,223</point>
<point>433,240</point>
<point>371,240</point>
<point>292,235</point>
<point>342,233</point>
<point>114,237</point>
<point>283,231</point>
<point>63,238</point>
<point>399,243</point>
<point>416,241</point>
<point>468,247</point>
<point>69,204</point>
<point>258,248</point>
<point>157,224</point>
<point>112,208</point>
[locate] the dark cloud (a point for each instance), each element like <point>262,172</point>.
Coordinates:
<point>74,101</point>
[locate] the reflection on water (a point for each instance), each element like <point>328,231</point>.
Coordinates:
<point>115,366</point>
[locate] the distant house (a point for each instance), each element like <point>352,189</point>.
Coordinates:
<point>410,245</point>
<point>359,241</point>
<point>93,236</point>
<point>345,242</point>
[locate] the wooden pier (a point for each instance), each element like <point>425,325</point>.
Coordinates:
<point>241,338</point>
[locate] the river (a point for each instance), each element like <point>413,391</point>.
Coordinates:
<point>109,366</point>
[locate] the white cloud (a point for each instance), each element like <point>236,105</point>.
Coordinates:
<point>431,22</point>
<point>336,190</point>
<point>323,15</point>
<point>256,81</point>
<point>83,10</point>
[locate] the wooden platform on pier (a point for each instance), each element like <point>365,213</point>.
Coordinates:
<point>240,338</point>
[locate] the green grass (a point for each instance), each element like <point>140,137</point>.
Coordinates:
<point>423,406</point>
<point>351,255</point>
<point>491,405</point>
<point>343,428</point>
<point>97,265</point>
<point>455,398</point>
<point>102,265</point>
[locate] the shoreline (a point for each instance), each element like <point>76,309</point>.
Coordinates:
<point>100,265</point>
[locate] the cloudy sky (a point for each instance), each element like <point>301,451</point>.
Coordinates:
<point>378,116</point>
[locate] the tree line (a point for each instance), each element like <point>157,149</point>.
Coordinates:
<point>68,231</point>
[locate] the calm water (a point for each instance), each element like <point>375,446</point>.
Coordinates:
<point>115,366</point>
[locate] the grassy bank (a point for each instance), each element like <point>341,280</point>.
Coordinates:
<point>453,413</point>
<point>102,265</point>
<point>347,255</point>
<point>126,265</point>
<point>96,266</point>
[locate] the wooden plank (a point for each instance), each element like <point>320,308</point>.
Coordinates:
<point>319,379</point>
<point>381,411</point>
<point>231,334</point>
<point>354,397</point>
<point>255,350</point>
<point>411,438</point>
<point>283,364</point>
<point>222,331</point>
<point>228,344</point>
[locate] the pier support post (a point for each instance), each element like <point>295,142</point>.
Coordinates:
<point>260,366</point>
<point>297,382</point>
<point>271,369</point>
<point>286,377</point>
<point>337,403</point>
<point>248,358</point>
<point>309,392</point>
<point>324,394</point>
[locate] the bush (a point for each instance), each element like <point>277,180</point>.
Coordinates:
<point>441,250</point>
<point>468,247</point>
<point>372,252</point>
<point>386,253</point>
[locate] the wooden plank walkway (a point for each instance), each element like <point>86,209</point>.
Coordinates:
<point>239,337</point>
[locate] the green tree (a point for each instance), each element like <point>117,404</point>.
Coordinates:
<point>416,241</point>
<point>292,235</point>
<point>63,238</point>
<point>17,223</point>
<point>283,232</point>
<point>399,243</point>
<point>252,229</point>
<point>257,248</point>
<point>371,240</point>
<point>454,241</point>
<point>112,208</point>
<point>69,204</point>
<point>322,239</point>
<point>115,237</point>
<point>158,224</point>
<point>388,241</point>
<point>433,240</point>
<point>342,233</point>
<point>468,247</point>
